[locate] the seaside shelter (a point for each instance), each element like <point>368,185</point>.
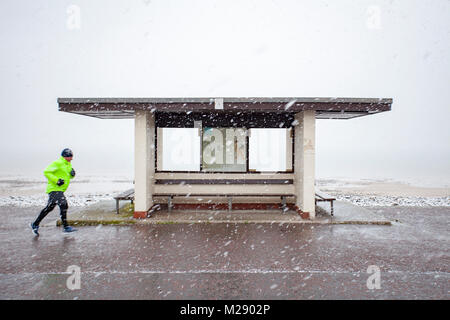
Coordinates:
<point>224,153</point>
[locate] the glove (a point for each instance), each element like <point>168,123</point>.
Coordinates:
<point>72,173</point>
<point>60,182</point>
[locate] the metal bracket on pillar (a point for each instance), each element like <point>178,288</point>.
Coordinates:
<point>218,103</point>
<point>283,203</point>
<point>169,203</point>
<point>230,203</point>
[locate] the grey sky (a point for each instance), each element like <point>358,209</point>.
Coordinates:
<point>392,49</point>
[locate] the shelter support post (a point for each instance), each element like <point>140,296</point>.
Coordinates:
<point>144,162</point>
<point>304,163</point>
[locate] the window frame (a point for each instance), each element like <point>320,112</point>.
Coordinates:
<point>227,172</point>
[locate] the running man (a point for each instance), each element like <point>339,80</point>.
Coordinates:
<point>58,173</point>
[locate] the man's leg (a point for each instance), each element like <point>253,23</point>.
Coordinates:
<point>50,206</point>
<point>63,206</point>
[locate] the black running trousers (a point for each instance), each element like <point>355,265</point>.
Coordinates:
<point>55,198</point>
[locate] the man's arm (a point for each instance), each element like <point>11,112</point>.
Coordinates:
<point>49,172</point>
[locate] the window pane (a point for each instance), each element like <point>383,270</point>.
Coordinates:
<point>178,149</point>
<point>224,149</point>
<point>270,149</point>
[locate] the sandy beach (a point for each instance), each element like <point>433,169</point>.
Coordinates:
<point>380,188</point>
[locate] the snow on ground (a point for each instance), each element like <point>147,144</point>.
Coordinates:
<point>374,201</point>
<point>30,191</point>
<point>85,190</point>
<point>41,200</point>
<point>387,192</point>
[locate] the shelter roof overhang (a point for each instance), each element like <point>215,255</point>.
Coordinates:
<point>326,108</point>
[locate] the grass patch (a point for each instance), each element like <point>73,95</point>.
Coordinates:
<point>127,210</point>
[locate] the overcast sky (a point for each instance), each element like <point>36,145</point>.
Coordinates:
<point>396,49</point>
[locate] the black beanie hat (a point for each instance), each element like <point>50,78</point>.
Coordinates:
<point>67,153</point>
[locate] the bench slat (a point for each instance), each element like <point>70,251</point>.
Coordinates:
<point>324,196</point>
<point>125,194</point>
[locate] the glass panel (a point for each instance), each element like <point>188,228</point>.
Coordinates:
<point>270,149</point>
<point>224,149</point>
<point>178,149</point>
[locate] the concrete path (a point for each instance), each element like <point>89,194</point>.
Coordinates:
<point>344,213</point>
<point>229,260</point>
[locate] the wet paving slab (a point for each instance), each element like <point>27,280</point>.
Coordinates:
<point>229,260</point>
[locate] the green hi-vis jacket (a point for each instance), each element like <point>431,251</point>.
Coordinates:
<point>59,169</point>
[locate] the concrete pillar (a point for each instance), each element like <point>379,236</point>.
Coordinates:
<point>144,162</point>
<point>289,150</point>
<point>159,149</point>
<point>304,163</point>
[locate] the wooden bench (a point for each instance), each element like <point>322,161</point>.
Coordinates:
<point>129,195</point>
<point>126,195</point>
<point>225,186</point>
<point>228,196</point>
<point>321,196</point>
